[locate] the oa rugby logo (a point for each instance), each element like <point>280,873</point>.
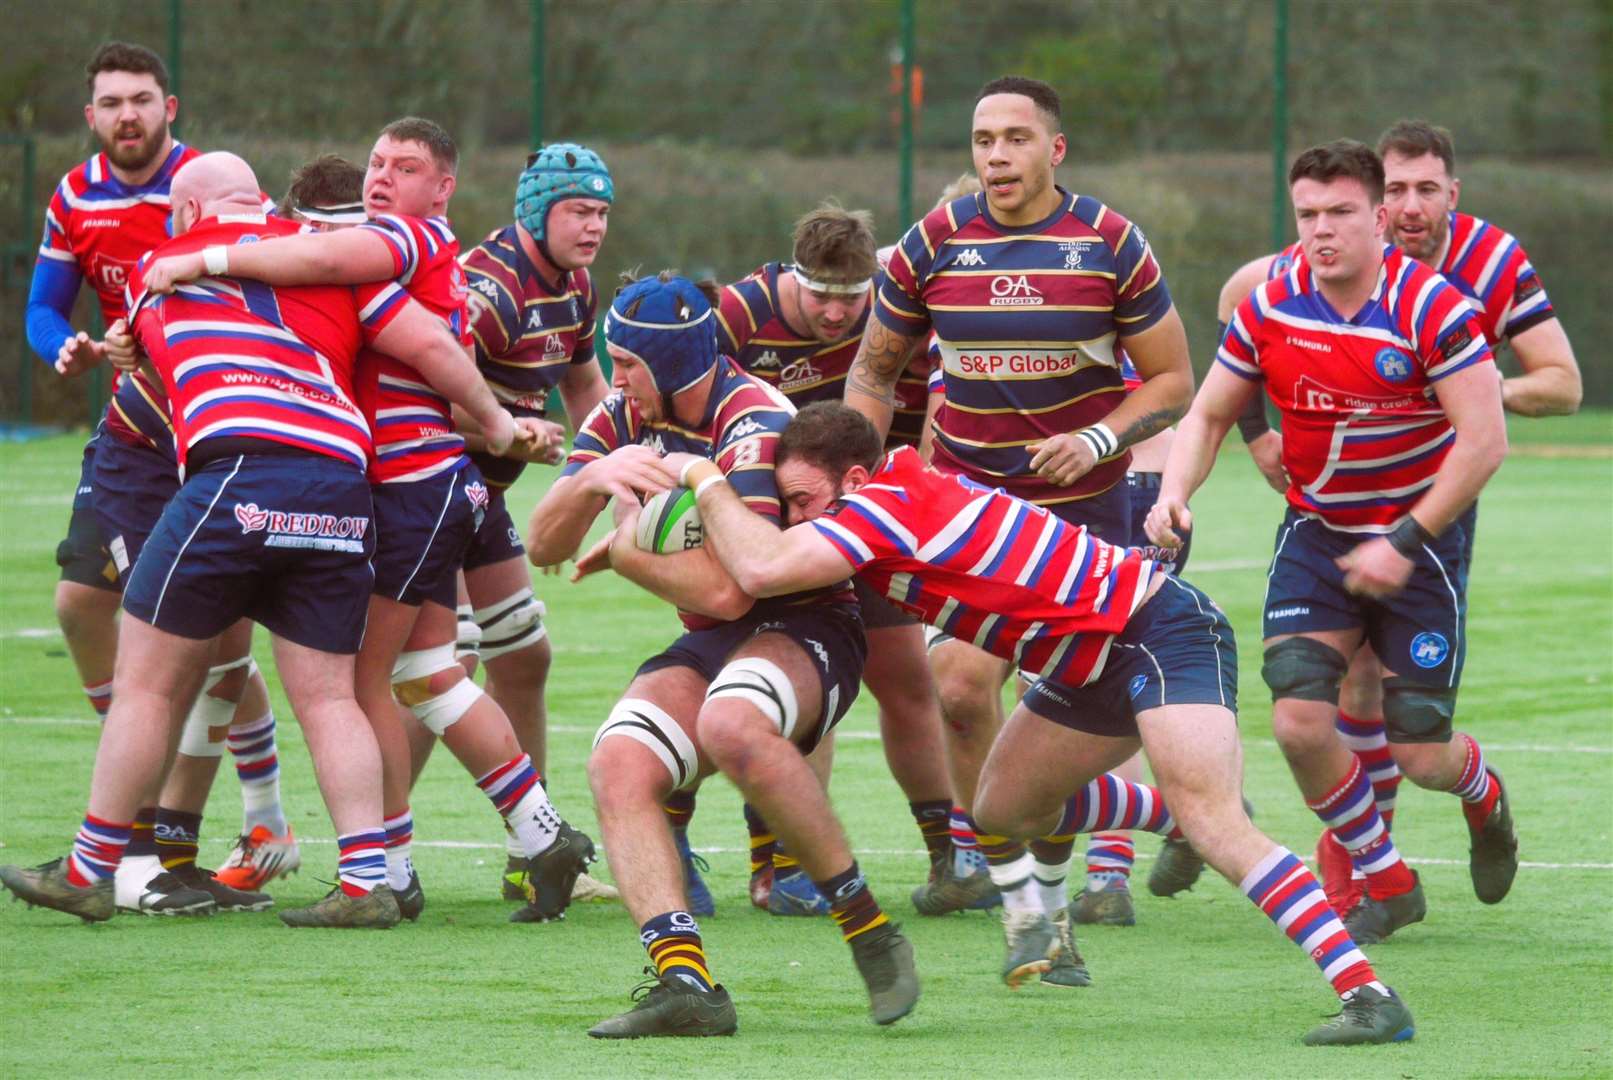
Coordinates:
<point>1428,649</point>
<point>1009,291</point>
<point>1392,365</point>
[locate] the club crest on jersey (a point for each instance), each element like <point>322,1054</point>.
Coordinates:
<point>1073,251</point>
<point>970,257</point>
<point>1392,365</point>
<point>476,492</point>
<point>1010,291</point>
<point>289,529</point>
<point>112,273</point>
<point>1428,649</point>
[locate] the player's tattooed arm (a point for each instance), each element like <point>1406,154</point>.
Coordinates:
<point>1150,423</point>
<point>871,382</point>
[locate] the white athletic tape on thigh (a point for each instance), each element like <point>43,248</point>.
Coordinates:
<point>763,684</point>
<point>516,622</point>
<point>216,674</point>
<point>647,723</point>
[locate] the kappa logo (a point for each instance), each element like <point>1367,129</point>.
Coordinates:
<point>1428,649</point>
<point>1009,291</point>
<point>767,361</point>
<point>656,444</point>
<point>485,287</point>
<point>534,319</point>
<point>747,426</point>
<point>1392,365</point>
<point>971,257</point>
<point>289,529</point>
<point>553,347</point>
<point>820,651</point>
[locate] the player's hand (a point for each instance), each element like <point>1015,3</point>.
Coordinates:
<point>168,272</point>
<point>1061,460</point>
<point>1267,450</point>
<point>1168,523</point>
<point>538,440</point>
<point>595,559</point>
<point>627,473</point>
<point>79,354</point>
<point>122,351</point>
<point>1374,569</point>
<point>677,461</point>
<point>501,433</point>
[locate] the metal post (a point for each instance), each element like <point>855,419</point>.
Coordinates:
<point>539,33</point>
<point>176,59</point>
<point>25,374</point>
<point>1279,128</point>
<point>905,190</point>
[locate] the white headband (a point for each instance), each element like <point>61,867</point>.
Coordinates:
<point>346,214</point>
<point>855,288</point>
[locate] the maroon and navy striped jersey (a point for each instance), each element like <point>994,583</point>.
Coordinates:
<point>1490,267</point>
<point>101,226</point>
<point>1027,319</point>
<point>1363,434</point>
<point>412,425</point>
<point>751,329</point>
<point>526,334</point>
<point>988,568</point>
<point>241,358</point>
<point>138,414</point>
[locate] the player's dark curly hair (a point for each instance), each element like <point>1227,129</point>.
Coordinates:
<point>328,180</point>
<point>1045,97</point>
<point>124,56</point>
<point>832,437</point>
<point>1340,158</point>
<point>1414,138</point>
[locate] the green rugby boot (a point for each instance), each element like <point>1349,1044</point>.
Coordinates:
<point>1368,1017</point>
<point>884,959</point>
<point>670,1006</point>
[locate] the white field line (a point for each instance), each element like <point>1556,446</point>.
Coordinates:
<point>33,632</point>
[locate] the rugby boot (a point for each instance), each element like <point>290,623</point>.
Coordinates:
<point>1176,868</point>
<point>374,910</point>
<point>884,958</point>
<point>46,885</point>
<point>1031,940</point>
<point>1341,883</point>
<point>1106,906</point>
<point>259,857</point>
<point>550,875</point>
<point>1068,968</point>
<point>1493,856</point>
<point>694,886</point>
<point>1367,1017</point>
<point>794,894</point>
<point>513,884</point>
<point>668,1005</point>
<point>951,892</point>
<point>224,897</point>
<point>590,890</point>
<point>761,887</point>
<point>141,885</point>
<point>1372,921</point>
<point>412,899</point>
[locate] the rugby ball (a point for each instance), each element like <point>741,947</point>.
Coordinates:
<point>670,522</point>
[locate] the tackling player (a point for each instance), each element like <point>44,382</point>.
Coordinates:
<point>1127,656</point>
<point>103,216</point>
<point>1030,290</point>
<point>1392,424</point>
<point>797,326</point>
<point>749,688</point>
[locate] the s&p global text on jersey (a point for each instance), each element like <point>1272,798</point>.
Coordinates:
<point>1041,363</point>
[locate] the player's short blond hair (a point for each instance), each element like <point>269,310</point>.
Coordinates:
<point>966,184</point>
<point>835,245</point>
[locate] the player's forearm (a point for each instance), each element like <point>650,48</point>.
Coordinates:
<point>1550,391</point>
<point>349,257</point>
<point>1472,460</point>
<point>561,521</point>
<point>51,294</point>
<point>871,382</point>
<point>691,580</point>
<point>1151,408</point>
<point>450,372</point>
<point>1193,450</point>
<point>746,544</point>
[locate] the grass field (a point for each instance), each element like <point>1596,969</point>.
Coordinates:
<point>1202,986</point>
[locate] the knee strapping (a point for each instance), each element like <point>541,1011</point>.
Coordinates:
<point>647,723</point>
<point>412,676</point>
<point>763,684</point>
<point>468,634</point>
<point>515,622</point>
<point>1415,712</point>
<point>1304,669</point>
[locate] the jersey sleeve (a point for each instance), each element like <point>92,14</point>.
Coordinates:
<point>378,304</point>
<point>54,245</point>
<point>734,323</point>
<point>747,458</point>
<point>50,301</point>
<point>401,241</point>
<point>1141,298</point>
<point>1449,334</point>
<point>899,302</point>
<point>868,525</point>
<point>599,434</point>
<point>588,305</point>
<point>1238,353</point>
<point>495,317</point>
<point>1527,302</point>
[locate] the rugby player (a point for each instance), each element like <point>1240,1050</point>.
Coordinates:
<point>1392,419</point>
<point>1127,655</point>
<point>103,216</point>
<point>532,312</point>
<point>1492,270</point>
<point>797,326</point>
<point>748,690</point>
<point>429,499</point>
<point>1030,290</point>
<point>272,522</point>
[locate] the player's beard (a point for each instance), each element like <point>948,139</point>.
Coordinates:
<point>137,157</point>
<point>1431,241</point>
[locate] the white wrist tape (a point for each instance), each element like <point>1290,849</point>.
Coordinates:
<point>1100,439</point>
<point>216,258</point>
<point>700,488</point>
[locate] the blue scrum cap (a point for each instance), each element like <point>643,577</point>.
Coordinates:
<point>669,327</point>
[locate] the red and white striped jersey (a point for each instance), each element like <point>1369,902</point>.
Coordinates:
<point>989,568</point>
<point>1363,434</point>
<point>240,358</point>
<point>412,424</point>
<point>1491,269</point>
